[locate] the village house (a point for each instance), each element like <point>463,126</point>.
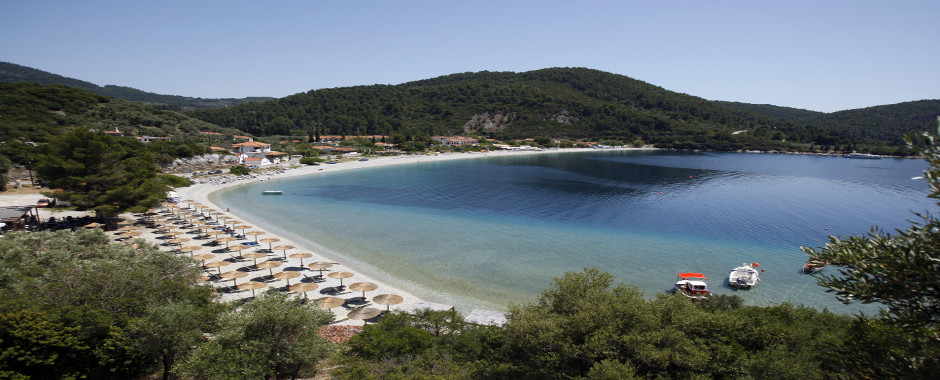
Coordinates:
<point>331,138</point>
<point>454,140</point>
<point>254,153</point>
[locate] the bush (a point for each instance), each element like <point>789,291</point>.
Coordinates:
<point>310,161</point>
<point>173,181</point>
<point>239,170</point>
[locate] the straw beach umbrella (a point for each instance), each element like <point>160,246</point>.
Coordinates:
<point>217,264</point>
<point>233,275</point>
<point>301,256</point>
<point>252,285</point>
<point>340,276</point>
<point>330,302</point>
<point>320,266</point>
<point>254,256</point>
<point>255,234</point>
<point>269,241</point>
<point>363,287</point>
<point>225,239</point>
<point>303,288</point>
<point>364,314</point>
<point>190,249</point>
<point>203,257</point>
<point>285,248</point>
<point>269,265</point>
<point>239,248</point>
<point>388,300</point>
<point>286,275</point>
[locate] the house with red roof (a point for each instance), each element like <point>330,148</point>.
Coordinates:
<point>255,153</point>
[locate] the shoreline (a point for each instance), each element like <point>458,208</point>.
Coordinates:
<point>388,283</point>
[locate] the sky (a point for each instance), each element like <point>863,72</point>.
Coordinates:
<point>824,56</point>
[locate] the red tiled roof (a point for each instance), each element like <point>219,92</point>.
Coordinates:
<point>253,158</point>
<point>256,144</point>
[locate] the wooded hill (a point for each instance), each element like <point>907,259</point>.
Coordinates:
<point>887,123</point>
<point>31,113</point>
<point>574,103</point>
<point>10,72</point>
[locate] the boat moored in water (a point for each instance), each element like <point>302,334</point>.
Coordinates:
<point>813,266</point>
<point>693,285</point>
<point>271,192</point>
<point>744,276</point>
<point>864,156</point>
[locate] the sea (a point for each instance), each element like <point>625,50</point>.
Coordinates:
<point>494,231</point>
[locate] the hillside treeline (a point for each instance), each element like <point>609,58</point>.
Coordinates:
<point>562,103</point>
<point>10,72</point>
<point>888,124</point>
<point>572,103</point>
<point>32,114</point>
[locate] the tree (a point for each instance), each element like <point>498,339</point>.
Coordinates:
<point>32,345</point>
<point>93,291</point>
<point>5,166</point>
<point>169,332</point>
<point>271,336</point>
<point>101,172</point>
<point>239,170</point>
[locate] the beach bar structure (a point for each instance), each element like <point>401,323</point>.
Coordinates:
<point>17,217</point>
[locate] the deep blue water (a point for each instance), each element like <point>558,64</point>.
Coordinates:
<point>496,230</point>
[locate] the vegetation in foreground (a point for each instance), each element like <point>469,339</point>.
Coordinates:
<point>74,305</point>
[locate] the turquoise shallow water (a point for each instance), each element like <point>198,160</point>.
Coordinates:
<point>496,230</point>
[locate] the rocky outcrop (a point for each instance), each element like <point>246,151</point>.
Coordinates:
<point>203,162</point>
<point>486,122</point>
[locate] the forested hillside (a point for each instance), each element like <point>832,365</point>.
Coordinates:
<point>10,72</point>
<point>573,103</point>
<point>887,123</point>
<point>31,113</point>
<point>782,113</point>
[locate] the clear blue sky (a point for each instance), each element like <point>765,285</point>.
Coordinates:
<point>822,55</point>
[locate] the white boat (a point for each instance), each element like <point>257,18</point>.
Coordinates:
<point>863,156</point>
<point>744,276</point>
<point>271,192</point>
<point>693,285</point>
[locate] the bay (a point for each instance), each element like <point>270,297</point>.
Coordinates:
<point>492,231</point>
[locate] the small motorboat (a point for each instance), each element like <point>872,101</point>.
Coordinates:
<point>693,285</point>
<point>744,276</point>
<point>813,266</point>
<point>271,192</point>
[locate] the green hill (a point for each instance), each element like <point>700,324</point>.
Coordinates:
<point>10,72</point>
<point>573,103</point>
<point>32,111</point>
<point>887,124</point>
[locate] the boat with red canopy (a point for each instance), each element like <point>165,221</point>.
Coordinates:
<point>693,285</point>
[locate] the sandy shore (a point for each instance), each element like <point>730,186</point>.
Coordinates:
<point>198,194</point>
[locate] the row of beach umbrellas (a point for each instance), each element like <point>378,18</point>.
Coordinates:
<point>195,217</point>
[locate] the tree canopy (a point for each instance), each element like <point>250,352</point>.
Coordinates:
<point>100,172</point>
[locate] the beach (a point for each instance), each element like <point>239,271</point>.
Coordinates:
<point>290,264</point>
<point>200,193</point>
